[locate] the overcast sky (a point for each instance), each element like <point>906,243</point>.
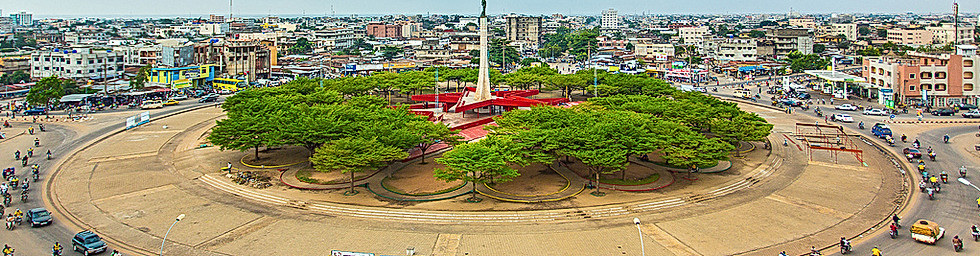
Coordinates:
<point>48,8</point>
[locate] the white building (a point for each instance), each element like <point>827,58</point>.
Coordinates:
<point>647,48</point>
<point>139,55</point>
<point>610,20</point>
<point>77,63</point>
<point>22,18</point>
<point>731,49</point>
<point>210,29</point>
<point>944,34</point>
<point>850,31</point>
<point>693,35</point>
<point>333,38</point>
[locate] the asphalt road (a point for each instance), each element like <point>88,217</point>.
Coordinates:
<point>954,209</point>
<point>61,141</point>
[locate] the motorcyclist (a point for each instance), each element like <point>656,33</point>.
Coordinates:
<point>922,186</point>
<point>957,243</point>
<point>10,221</point>
<point>31,130</point>
<point>17,155</point>
<point>893,228</point>
<point>946,138</point>
<point>49,154</point>
<point>845,244</point>
<point>814,251</point>
<point>37,141</point>
<point>895,220</point>
<point>56,249</point>
<point>7,250</point>
<point>909,157</point>
<point>27,184</point>
<point>963,171</point>
<point>30,152</point>
<point>904,138</point>
<point>40,126</point>
<point>933,179</point>
<point>14,181</point>
<point>943,176</point>
<point>875,251</point>
<point>861,125</point>
<point>18,215</point>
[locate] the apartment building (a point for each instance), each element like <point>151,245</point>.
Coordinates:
<point>524,29</point>
<point>692,35</point>
<point>731,49</point>
<point>649,49</point>
<point>610,21</point>
<point>849,30</point>
<point>788,40</point>
<point>381,30</point>
<point>946,33</point>
<point>77,63</point>
<point>333,38</point>
<point>937,80</point>
<point>139,55</point>
<point>236,58</point>
<point>909,36</point>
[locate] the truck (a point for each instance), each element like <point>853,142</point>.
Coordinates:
<point>881,130</point>
<point>926,231</point>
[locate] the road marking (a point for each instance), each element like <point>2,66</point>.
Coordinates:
<point>815,207</point>
<point>240,231</point>
<point>446,245</point>
<point>669,242</point>
<point>121,157</point>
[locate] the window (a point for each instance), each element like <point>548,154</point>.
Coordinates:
<point>940,75</point>
<point>940,87</point>
<point>911,76</point>
<point>968,63</point>
<point>967,75</point>
<point>912,88</point>
<point>925,75</point>
<point>926,87</point>
<point>968,87</point>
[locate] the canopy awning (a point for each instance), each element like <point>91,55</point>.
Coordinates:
<point>74,97</point>
<point>835,76</point>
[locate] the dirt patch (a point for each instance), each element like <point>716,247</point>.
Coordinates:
<point>416,178</point>
<point>633,171</point>
<point>277,156</point>
<point>535,179</point>
<point>309,175</point>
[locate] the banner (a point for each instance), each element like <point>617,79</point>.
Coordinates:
<point>138,120</point>
<point>131,122</point>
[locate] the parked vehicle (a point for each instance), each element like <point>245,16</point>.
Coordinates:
<point>847,107</point>
<point>972,114</point>
<point>152,104</point>
<point>967,107</point>
<point>943,112</point>
<point>926,231</point>
<point>842,118</point>
<point>171,102</point>
<point>208,98</point>
<point>88,243</point>
<point>875,112</point>
<point>179,97</point>
<point>881,130</point>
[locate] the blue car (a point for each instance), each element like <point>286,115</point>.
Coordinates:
<point>35,111</point>
<point>38,217</point>
<point>88,243</point>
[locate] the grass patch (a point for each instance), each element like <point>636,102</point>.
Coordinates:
<point>649,179</point>
<point>304,176</point>
<point>384,185</point>
<point>684,167</point>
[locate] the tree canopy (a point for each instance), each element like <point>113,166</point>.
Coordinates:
<point>49,90</point>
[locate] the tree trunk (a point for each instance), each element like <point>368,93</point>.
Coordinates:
<point>352,182</point>
<point>256,152</point>
<point>473,191</point>
<point>423,153</point>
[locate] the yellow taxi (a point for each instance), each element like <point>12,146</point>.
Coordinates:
<point>170,102</point>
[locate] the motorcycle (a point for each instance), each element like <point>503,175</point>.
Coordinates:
<point>962,173</point>
<point>55,252</point>
<point>891,142</point>
<point>36,177</point>
<point>23,197</point>
<point>10,225</point>
<point>944,178</point>
<point>932,156</point>
<point>958,246</point>
<point>931,193</point>
<point>922,187</point>
<point>861,126</point>
<point>846,248</point>
<point>976,236</point>
<point>893,234</point>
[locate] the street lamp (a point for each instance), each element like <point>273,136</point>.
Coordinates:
<point>636,221</point>
<point>179,217</point>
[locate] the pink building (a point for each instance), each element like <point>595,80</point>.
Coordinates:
<point>378,29</point>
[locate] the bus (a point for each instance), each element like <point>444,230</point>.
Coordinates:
<point>228,84</point>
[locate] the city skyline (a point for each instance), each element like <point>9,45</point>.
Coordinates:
<point>96,8</point>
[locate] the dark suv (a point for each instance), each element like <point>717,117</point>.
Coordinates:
<point>88,243</point>
<point>943,112</point>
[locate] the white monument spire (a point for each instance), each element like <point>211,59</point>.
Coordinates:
<point>483,81</point>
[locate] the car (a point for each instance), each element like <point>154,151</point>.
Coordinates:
<point>972,114</point>
<point>35,111</point>
<point>943,112</point>
<point>179,97</point>
<point>911,151</point>
<point>208,98</point>
<point>225,91</point>
<point>881,130</point>
<point>842,118</point>
<point>847,107</point>
<point>803,96</point>
<point>792,102</point>
<point>171,102</point>
<point>875,112</point>
<point>152,104</point>
<point>38,217</point>
<point>926,231</point>
<point>967,107</point>
<point>88,243</point>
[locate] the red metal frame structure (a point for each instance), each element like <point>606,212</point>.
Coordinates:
<point>507,99</point>
<point>826,137</point>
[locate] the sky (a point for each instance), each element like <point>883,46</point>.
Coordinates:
<point>193,8</point>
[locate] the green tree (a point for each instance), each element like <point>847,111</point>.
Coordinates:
<point>47,91</point>
<point>882,33</point>
<point>15,78</point>
<point>302,46</point>
<point>819,48</point>
<point>353,155</point>
<point>244,132</point>
<point>480,162</point>
<point>142,76</point>
<point>757,34</point>
<point>864,31</point>
<point>390,52</point>
<point>429,134</point>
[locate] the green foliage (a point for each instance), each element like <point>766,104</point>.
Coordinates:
<point>819,48</point>
<point>757,34</point>
<point>48,91</point>
<point>481,162</point>
<point>800,62</point>
<point>578,43</point>
<point>142,76</point>
<point>870,51</point>
<point>390,52</point>
<point>15,78</point>
<point>864,31</point>
<point>353,155</point>
<point>429,133</point>
<point>883,33</point>
<point>302,46</point>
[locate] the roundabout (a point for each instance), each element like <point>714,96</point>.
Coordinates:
<point>108,188</point>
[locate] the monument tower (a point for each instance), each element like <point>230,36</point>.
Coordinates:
<point>483,81</point>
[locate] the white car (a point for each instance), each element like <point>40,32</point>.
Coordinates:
<point>152,104</point>
<point>179,97</point>
<point>875,112</point>
<point>842,118</point>
<point>847,107</point>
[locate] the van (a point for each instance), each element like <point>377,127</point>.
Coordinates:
<point>152,104</point>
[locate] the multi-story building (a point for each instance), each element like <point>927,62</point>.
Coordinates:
<point>176,55</point>
<point>524,29</point>
<point>788,40</point>
<point>11,64</point>
<point>692,35</point>
<point>945,33</point>
<point>849,30</point>
<point>249,59</point>
<point>216,18</point>
<point>647,48</point>
<point>381,30</point>
<point>910,36</point>
<point>937,80</point>
<point>78,63</point>
<point>23,19</point>
<point>139,55</point>
<point>334,38</point>
<point>6,24</point>
<point>410,29</point>
<point>210,29</point>
<point>731,49</point>
<point>804,22</point>
<point>610,20</point>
